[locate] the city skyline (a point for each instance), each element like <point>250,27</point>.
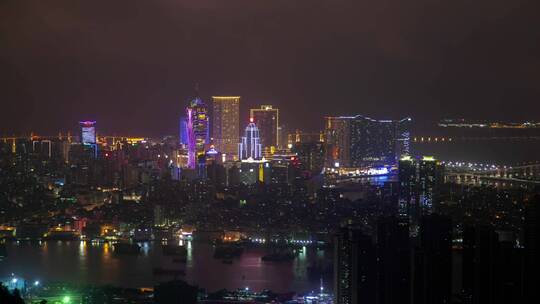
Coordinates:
<point>287,152</point>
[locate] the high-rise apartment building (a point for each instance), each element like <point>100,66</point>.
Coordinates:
<point>226,125</point>
<point>267,120</point>
<point>419,183</point>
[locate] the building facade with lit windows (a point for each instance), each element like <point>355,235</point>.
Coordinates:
<point>267,120</point>
<point>358,141</point>
<point>250,145</point>
<point>195,130</point>
<point>88,135</point>
<point>419,183</point>
<point>226,125</point>
<point>88,132</point>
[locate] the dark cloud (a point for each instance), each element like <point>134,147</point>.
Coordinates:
<point>132,64</point>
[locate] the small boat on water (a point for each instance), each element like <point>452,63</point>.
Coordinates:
<point>126,248</point>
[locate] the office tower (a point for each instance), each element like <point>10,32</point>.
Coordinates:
<point>338,142</point>
<point>250,146</point>
<point>419,183</point>
<point>357,141</point>
<point>195,128</point>
<point>226,125</point>
<point>43,148</point>
<point>310,155</point>
<point>354,268</point>
<point>393,261</point>
<point>433,261</point>
<point>304,137</point>
<point>88,135</point>
<point>267,120</point>
<point>88,132</point>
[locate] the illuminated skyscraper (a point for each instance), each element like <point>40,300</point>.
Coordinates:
<point>267,120</point>
<point>226,125</point>
<point>88,132</point>
<point>356,141</point>
<point>419,183</point>
<point>195,130</point>
<point>88,135</point>
<point>250,146</point>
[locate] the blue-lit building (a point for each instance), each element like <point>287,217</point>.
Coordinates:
<point>13,282</point>
<point>359,141</point>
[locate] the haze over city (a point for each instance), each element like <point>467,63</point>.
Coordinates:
<point>132,66</point>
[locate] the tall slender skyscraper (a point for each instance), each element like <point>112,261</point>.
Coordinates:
<point>226,125</point>
<point>267,120</point>
<point>195,130</point>
<point>250,146</point>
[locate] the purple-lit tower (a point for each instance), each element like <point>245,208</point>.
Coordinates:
<point>194,130</point>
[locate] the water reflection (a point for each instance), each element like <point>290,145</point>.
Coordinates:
<point>96,263</point>
<point>106,250</point>
<point>82,250</point>
<point>145,248</point>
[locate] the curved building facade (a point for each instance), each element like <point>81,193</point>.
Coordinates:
<point>250,146</point>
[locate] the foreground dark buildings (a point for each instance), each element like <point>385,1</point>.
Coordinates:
<point>422,269</point>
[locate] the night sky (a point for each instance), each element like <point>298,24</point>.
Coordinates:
<point>131,65</point>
